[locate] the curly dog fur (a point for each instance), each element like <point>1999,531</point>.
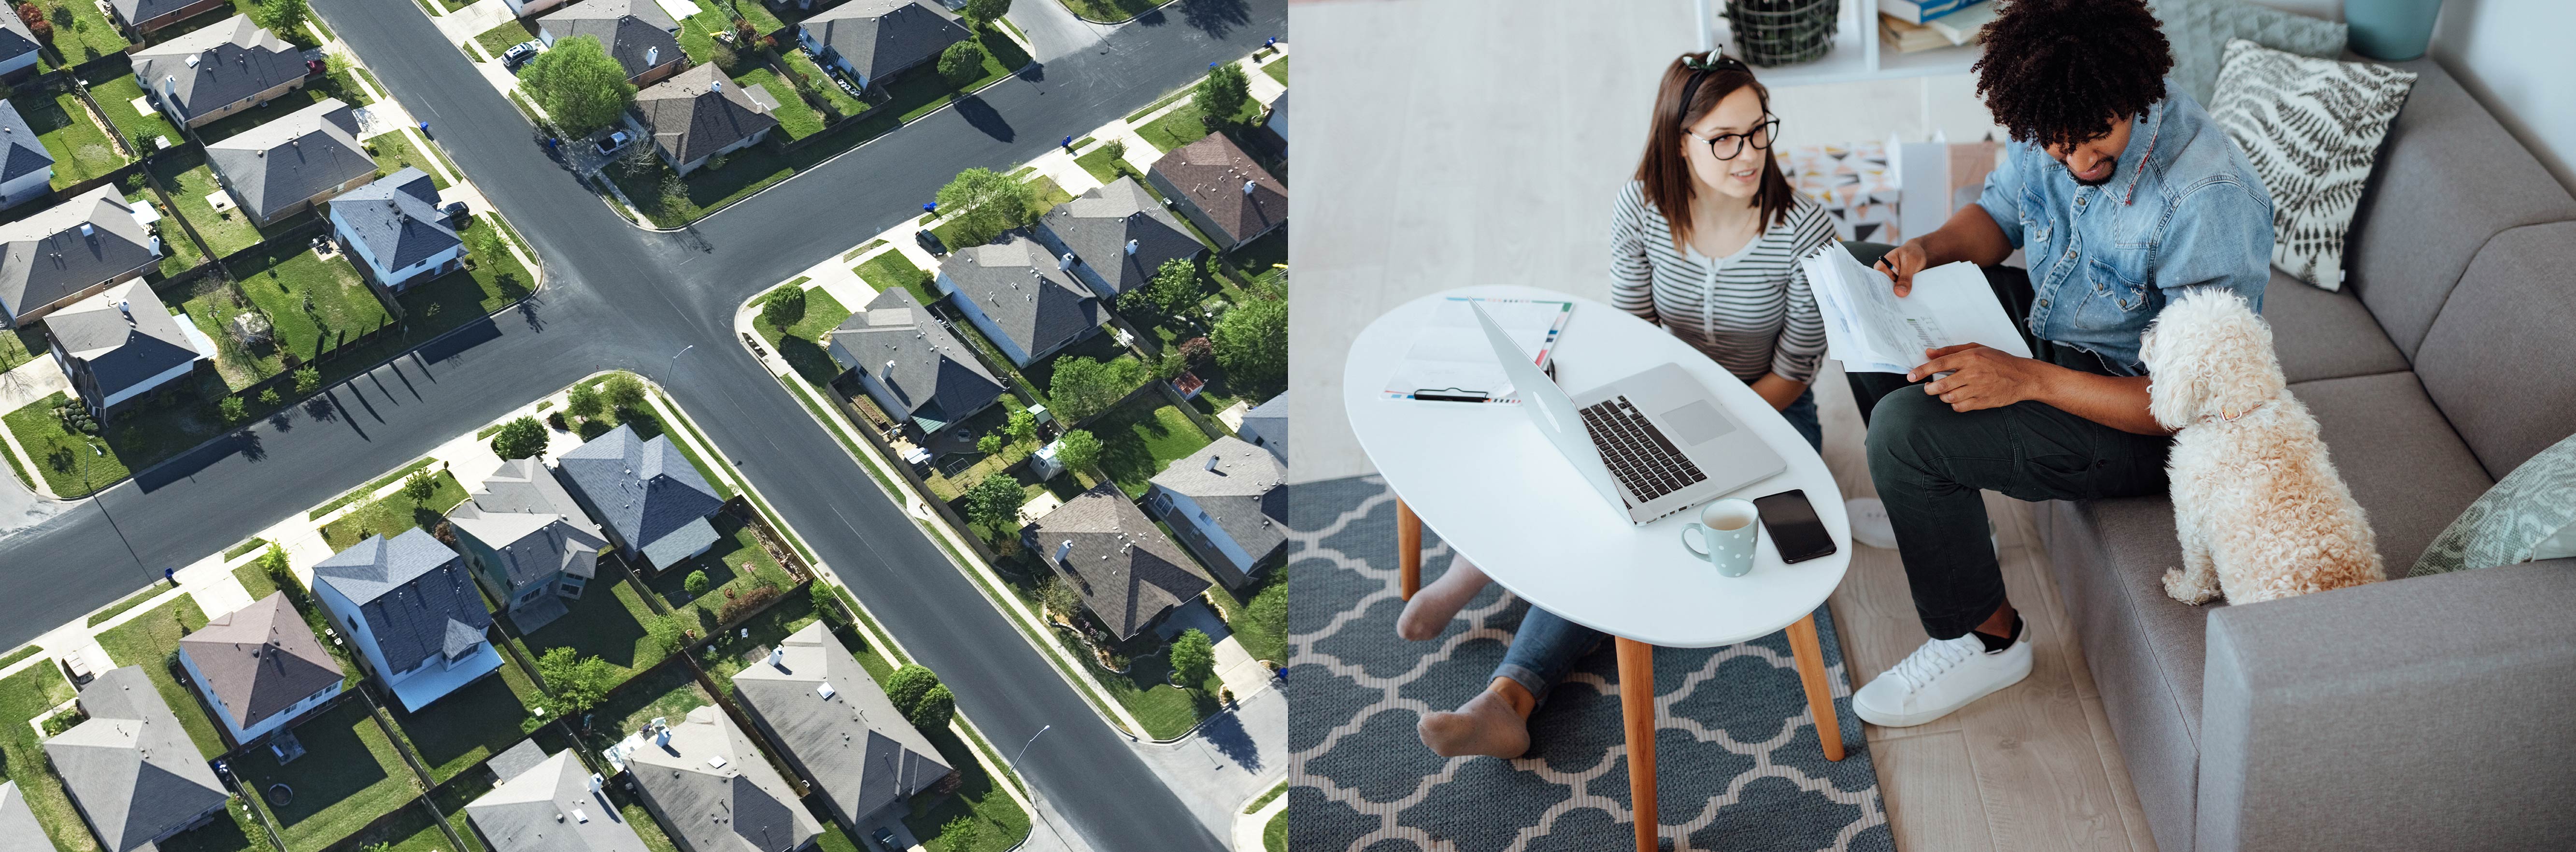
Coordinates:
<point>2260,509</point>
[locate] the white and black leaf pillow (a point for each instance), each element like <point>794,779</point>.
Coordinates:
<point>2311,127</point>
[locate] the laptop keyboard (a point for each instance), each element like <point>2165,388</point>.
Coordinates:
<point>1638,453</point>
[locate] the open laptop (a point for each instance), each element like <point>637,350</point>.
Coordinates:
<point>1653,443</point>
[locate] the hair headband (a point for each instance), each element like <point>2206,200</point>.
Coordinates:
<point>1701,64</point>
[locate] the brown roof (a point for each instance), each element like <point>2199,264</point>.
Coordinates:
<point>1210,173</point>
<point>260,659</point>
<point>1126,570</point>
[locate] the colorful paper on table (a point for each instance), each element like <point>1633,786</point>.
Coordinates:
<point>1870,330</point>
<point>1450,361</point>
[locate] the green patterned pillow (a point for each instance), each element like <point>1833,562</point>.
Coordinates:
<point>2530,515</point>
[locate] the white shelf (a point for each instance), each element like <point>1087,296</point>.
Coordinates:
<point>1856,54</point>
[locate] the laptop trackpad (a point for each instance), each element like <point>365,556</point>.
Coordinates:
<point>1696,423</point>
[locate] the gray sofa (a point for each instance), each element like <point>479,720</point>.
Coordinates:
<point>2425,713</point>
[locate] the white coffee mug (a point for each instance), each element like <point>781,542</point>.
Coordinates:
<point>1724,535</point>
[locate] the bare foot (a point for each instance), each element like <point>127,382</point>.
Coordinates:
<point>1486,725</point>
<point>1434,605</point>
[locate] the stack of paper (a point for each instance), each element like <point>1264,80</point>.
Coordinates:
<point>1870,330</point>
<point>1451,359</point>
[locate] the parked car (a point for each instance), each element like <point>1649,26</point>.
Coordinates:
<point>885,839</point>
<point>614,140</point>
<point>455,211</point>
<point>519,54</point>
<point>930,243</point>
<point>853,91</point>
<point>313,67</point>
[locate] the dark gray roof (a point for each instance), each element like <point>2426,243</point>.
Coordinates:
<point>1266,425</point>
<point>135,11</point>
<point>700,111</point>
<point>526,486</point>
<point>715,792</point>
<point>1242,493</point>
<point>410,589</point>
<point>516,759</point>
<point>637,33</point>
<point>549,807</point>
<point>1210,174</point>
<point>1098,226</point>
<point>260,660</point>
<point>45,258</point>
<point>1126,570</point>
<point>20,151</point>
<point>881,37</point>
<point>292,157</point>
<point>933,376</point>
<point>19,830</point>
<point>15,39</point>
<point>860,752</point>
<point>235,59</point>
<point>122,337</point>
<point>645,490</point>
<point>1024,291</point>
<point>397,218</point>
<point>131,768</point>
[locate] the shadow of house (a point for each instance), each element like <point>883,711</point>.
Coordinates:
<point>132,772</point>
<point>218,70</point>
<point>71,251</point>
<point>407,605</point>
<point>1128,573</point>
<point>1025,299</point>
<point>911,365</point>
<point>528,542</point>
<point>1119,237</point>
<point>838,728</point>
<point>260,667</point>
<point>872,40</point>
<point>288,165</point>
<point>1222,189</point>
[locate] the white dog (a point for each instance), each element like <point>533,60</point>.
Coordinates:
<point>2261,512</point>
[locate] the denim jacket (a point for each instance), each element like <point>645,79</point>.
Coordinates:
<point>2183,209</point>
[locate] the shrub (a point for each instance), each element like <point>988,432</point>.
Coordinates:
<point>307,380</point>
<point>961,62</point>
<point>232,409</point>
<point>269,396</point>
<point>1059,597</point>
<point>783,306</point>
<point>1078,450</point>
<point>907,686</point>
<point>750,601</point>
<point>936,708</point>
<point>961,834</point>
<point>420,485</point>
<point>696,584</point>
<point>1117,149</point>
<point>665,630</point>
<point>624,391</point>
<point>1193,658</point>
<point>827,604</point>
<point>555,419</point>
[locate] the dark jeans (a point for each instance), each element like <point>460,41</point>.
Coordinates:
<point>1930,462</point>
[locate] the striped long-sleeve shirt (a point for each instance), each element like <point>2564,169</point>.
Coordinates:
<point>1754,316</point>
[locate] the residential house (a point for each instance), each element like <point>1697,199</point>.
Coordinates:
<point>1266,426</point>
<point>1021,296</point>
<point>141,17</point>
<point>524,8</point>
<point>1222,190</point>
<point>837,728</point>
<point>72,251</point>
<point>870,41</point>
<point>394,227</point>
<point>218,70</point>
<point>18,49</point>
<point>1273,130</point>
<point>649,500</point>
<point>260,667</point>
<point>637,33</point>
<point>121,345</point>
<point>26,168</point>
<point>1118,235</point>
<point>713,790</point>
<point>286,166</point>
<point>528,542</point>
<point>548,804</point>
<point>132,772</point>
<point>700,114</point>
<point>910,364</point>
<point>1128,573</point>
<point>1228,502</point>
<point>406,604</point>
<point>19,830</point>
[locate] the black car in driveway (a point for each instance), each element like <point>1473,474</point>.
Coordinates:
<point>930,243</point>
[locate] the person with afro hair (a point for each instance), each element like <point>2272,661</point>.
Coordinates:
<point>2120,193</point>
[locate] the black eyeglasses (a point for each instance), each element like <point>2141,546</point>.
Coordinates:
<point>1728,146</point>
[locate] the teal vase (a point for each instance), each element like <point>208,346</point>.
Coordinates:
<point>2391,30</point>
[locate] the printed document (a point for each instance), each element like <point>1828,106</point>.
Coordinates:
<point>1870,330</point>
<point>1450,360</point>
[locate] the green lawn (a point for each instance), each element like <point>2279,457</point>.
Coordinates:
<point>606,621</point>
<point>115,97</point>
<point>147,640</point>
<point>890,270</point>
<point>802,344</point>
<point>1140,437</point>
<point>282,280</point>
<point>23,696</point>
<point>414,831</point>
<point>1111,11</point>
<point>1278,70</point>
<point>241,833</point>
<point>21,345</point>
<point>349,775</point>
<point>795,118</point>
<point>78,142</point>
<point>1258,615</point>
<point>364,491</point>
<point>452,797</point>
<point>470,724</point>
<point>1004,824</point>
<point>641,820</point>
<point>669,692</point>
<point>733,563</point>
<point>727,653</point>
<point>189,180</point>
<point>178,252</point>
<point>1274,836</point>
<point>395,150</point>
<point>1098,162</point>
<point>395,514</point>
<point>500,38</point>
<point>1185,124</point>
<point>467,295</point>
<point>131,601</point>
<point>81,33</point>
<point>823,84</point>
<point>68,461</point>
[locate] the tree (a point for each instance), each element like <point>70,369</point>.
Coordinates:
<point>584,401</point>
<point>962,62</point>
<point>283,17</point>
<point>1171,365</point>
<point>1022,426</point>
<point>994,501</point>
<point>1078,450</point>
<point>1083,387</point>
<point>624,391</point>
<point>1251,343</point>
<point>1117,149</point>
<point>664,630</point>
<point>1197,349</point>
<point>696,584</point>
<point>936,708</point>
<point>1175,288</point>
<point>420,485</point>
<point>1221,94</point>
<point>989,444</point>
<point>233,410</point>
<point>1193,658</point>
<point>828,603</point>
<point>907,686</point>
<point>985,12</point>
<point>307,380</point>
<point>961,833</point>
<point>520,438</point>
<point>783,307</point>
<point>579,85</point>
<point>1059,597</point>
<point>578,683</point>
<point>982,203</point>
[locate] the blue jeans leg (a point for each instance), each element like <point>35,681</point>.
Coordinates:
<point>1802,416</point>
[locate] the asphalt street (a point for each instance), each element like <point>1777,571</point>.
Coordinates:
<point>620,297</point>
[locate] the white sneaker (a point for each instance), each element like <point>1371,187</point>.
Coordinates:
<point>1942,676</point>
<point>1869,524</point>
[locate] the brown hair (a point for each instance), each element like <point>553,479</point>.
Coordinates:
<point>1663,170</point>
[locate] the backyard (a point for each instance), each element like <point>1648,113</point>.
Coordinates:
<point>24,696</point>
<point>349,775</point>
<point>734,564</point>
<point>115,97</point>
<point>147,640</point>
<point>395,514</point>
<point>607,622</point>
<point>188,180</point>
<point>1140,437</point>
<point>471,724</point>
<point>178,253</point>
<point>314,305</point>
<point>81,32</point>
<point>668,692</point>
<point>77,141</point>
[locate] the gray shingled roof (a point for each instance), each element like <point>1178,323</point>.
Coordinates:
<point>397,218</point>
<point>644,490</point>
<point>235,59</point>
<point>861,754</point>
<point>20,150</point>
<point>881,37</point>
<point>715,792</point>
<point>131,768</point>
<point>1268,422</point>
<point>1126,570</point>
<point>1098,226</point>
<point>45,258</point>
<point>700,111</point>
<point>19,830</point>
<point>1242,493</point>
<point>15,39</point>
<point>413,592</point>
<point>531,547</point>
<point>1210,173</point>
<point>526,486</point>
<point>1020,287</point>
<point>549,807</point>
<point>144,10</point>
<point>260,660</point>
<point>637,33</point>
<point>934,377</point>
<point>292,157</point>
<point>122,337</point>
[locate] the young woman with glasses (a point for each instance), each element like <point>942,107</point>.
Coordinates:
<point>1705,241</point>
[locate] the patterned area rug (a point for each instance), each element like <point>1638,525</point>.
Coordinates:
<point>1740,767</point>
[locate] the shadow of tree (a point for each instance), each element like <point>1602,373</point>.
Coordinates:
<point>1215,17</point>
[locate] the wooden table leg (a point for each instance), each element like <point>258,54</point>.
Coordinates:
<point>1408,550</point>
<point>1811,673</point>
<point>1637,705</point>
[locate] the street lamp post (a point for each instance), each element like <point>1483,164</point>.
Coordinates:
<point>674,363</point>
<point>1034,808</point>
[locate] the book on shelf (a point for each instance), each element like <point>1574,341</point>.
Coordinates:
<point>1965,25</point>
<point>1897,35</point>
<point>1921,11</point>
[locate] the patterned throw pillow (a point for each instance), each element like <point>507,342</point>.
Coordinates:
<point>2530,515</point>
<point>2311,127</point>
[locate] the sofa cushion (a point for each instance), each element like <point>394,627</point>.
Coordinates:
<point>2448,179</point>
<point>2311,129</point>
<point>2323,335</point>
<point>2498,360</point>
<point>2405,466</point>
<point>2198,30</point>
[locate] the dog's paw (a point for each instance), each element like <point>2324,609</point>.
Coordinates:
<point>2179,590</point>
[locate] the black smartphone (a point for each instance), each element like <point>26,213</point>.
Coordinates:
<point>1793,526</point>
